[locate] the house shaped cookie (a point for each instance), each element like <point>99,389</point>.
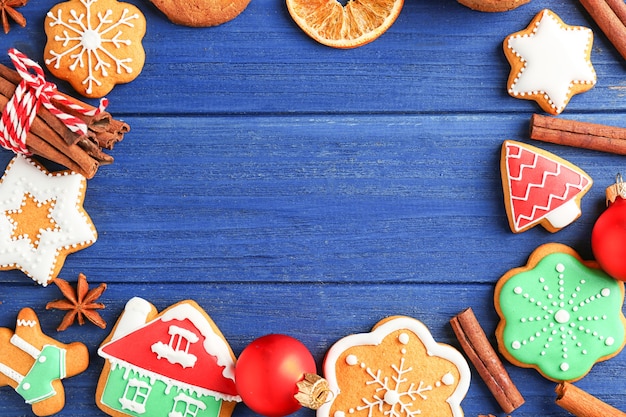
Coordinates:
<point>173,364</point>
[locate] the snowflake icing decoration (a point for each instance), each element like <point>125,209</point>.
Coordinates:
<point>95,44</point>
<point>560,316</point>
<point>397,370</point>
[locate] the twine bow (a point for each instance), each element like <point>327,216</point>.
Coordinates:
<point>31,93</point>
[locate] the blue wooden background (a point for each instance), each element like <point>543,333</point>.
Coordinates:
<point>292,188</point>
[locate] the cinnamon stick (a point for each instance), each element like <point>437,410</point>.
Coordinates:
<point>476,346</point>
<point>578,134</point>
<point>51,139</point>
<point>609,15</point>
<point>55,145</point>
<point>582,404</point>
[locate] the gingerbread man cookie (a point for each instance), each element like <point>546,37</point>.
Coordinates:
<point>34,364</point>
<point>95,44</point>
<point>397,370</point>
<point>42,219</point>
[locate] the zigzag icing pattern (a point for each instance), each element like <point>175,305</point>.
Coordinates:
<point>26,323</point>
<point>556,182</point>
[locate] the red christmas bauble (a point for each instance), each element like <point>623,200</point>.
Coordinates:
<point>608,239</point>
<point>267,372</point>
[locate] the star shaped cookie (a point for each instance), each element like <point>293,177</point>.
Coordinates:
<point>42,219</point>
<point>550,62</point>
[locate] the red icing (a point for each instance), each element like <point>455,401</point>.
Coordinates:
<point>534,194</point>
<point>135,348</point>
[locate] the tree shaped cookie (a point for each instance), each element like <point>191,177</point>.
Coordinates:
<point>540,188</point>
<point>42,219</point>
<point>559,314</point>
<point>94,44</point>
<point>34,364</point>
<point>397,370</point>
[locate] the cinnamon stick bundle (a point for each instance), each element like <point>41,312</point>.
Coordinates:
<point>49,138</point>
<point>610,16</point>
<point>474,342</point>
<point>578,134</point>
<point>583,404</point>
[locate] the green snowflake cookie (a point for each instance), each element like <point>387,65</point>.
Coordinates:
<point>559,315</point>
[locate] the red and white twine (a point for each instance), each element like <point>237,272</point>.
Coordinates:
<point>32,92</point>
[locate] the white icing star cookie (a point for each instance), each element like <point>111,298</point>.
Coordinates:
<point>42,219</point>
<point>550,62</point>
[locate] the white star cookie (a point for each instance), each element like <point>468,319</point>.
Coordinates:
<point>42,219</point>
<point>550,62</point>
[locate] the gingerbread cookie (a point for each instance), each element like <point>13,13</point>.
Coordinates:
<point>540,188</point>
<point>493,5</point>
<point>34,364</point>
<point>175,362</point>
<point>550,62</point>
<point>94,44</point>
<point>559,314</point>
<point>395,370</point>
<point>42,219</point>
<point>201,13</point>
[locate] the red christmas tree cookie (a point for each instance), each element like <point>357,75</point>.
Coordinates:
<point>540,188</point>
<point>173,363</point>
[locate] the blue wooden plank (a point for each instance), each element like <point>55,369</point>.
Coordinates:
<point>438,57</point>
<point>289,187</point>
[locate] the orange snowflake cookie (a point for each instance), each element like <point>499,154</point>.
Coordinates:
<point>396,370</point>
<point>95,44</point>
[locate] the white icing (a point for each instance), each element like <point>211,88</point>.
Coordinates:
<point>564,215</point>
<point>417,388</point>
<point>73,226</point>
<point>403,338</point>
<point>561,316</point>
<point>134,316</point>
<point>351,360</point>
<point>554,59</point>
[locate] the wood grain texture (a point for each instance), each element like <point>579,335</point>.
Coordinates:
<point>289,187</point>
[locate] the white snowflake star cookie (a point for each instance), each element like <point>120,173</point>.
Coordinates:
<point>95,44</point>
<point>550,62</point>
<point>397,370</point>
<point>42,219</point>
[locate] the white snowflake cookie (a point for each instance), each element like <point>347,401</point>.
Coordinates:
<point>396,370</point>
<point>95,44</point>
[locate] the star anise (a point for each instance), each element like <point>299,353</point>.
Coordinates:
<point>79,303</point>
<point>7,8</point>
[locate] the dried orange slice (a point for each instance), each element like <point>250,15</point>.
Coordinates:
<point>355,24</point>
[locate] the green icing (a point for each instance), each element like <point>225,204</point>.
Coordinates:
<point>562,316</point>
<point>134,394</point>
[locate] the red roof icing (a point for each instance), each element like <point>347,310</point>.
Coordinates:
<point>538,184</point>
<point>135,349</point>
